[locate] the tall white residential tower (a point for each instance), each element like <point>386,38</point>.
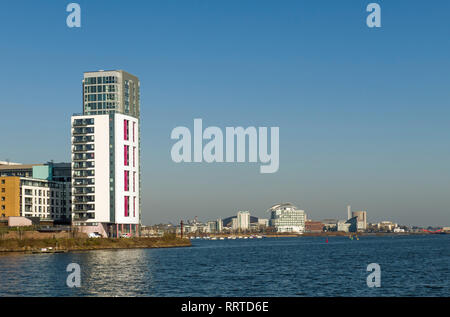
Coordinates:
<point>106,155</point>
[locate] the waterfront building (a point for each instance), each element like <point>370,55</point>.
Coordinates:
<point>59,172</point>
<point>106,155</point>
<point>313,226</point>
<point>287,218</point>
<point>33,197</point>
<point>234,224</point>
<point>219,225</point>
<point>330,224</point>
<point>386,225</point>
<point>243,220</point>
<point>342,226</point>
<point>361,219</point>
<point>263,222</point>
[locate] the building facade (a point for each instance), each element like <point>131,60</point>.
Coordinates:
<point>33,197</point>
<point>243,220</point>
<point>106,155</point>
<point>287,218</point>
<point>361,218</point>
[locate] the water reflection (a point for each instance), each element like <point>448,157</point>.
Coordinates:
<point>411,266</point>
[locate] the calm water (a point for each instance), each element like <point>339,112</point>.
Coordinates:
<point>410,266</point>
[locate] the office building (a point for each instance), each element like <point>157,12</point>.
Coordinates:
<point>287,218</point>
<point>106,155</point>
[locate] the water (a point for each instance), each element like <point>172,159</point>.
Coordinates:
<point>306,266</point>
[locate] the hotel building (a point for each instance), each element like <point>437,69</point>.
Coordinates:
<point>287,218</point>
<point>106,155</point>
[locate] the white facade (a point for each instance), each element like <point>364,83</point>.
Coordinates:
<point>243,220</point>
<point>287,218</point>
<point>361,219</point>
<point>45,199</point>
<point>105,171</point>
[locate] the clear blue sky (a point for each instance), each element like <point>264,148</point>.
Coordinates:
<point>363,113</point>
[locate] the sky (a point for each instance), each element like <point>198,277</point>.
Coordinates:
<point>363,113</point>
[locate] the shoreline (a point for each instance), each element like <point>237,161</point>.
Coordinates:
<point>321,234</point>
<point>52,246</point>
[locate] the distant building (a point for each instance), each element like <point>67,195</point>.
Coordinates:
<point>361,219</point>
<point>386,225</point>
<point>287,218</point>
<point>342,226</point>
<point>349,225</point>
<point>234,224</point>
<point>330,224</point>
<point>313,226</point>
<point>243,220</point>
<point>263,222</point>
<point>214,226</point>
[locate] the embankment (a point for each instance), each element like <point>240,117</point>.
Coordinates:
<point>79,244</point>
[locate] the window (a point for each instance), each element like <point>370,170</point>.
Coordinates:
<point>134,180</point>
<point>126,155</point>
<point>134,206</point>
<point>134,125</point>
<point>126,207</point>
<point>134,155</point>
<point>125,130</point>
<point>3,190</point>
<point>126,180</point>
<point>3,181</point>
<point>3,198</point>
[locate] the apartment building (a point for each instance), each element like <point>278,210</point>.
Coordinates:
<point>106,155</point>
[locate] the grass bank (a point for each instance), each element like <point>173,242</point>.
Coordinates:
<point>77,244</point>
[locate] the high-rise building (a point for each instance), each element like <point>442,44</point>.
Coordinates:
<point>243,220</point>
<point>349,212</point>
<point>106,155</point>
<point>110,92</point>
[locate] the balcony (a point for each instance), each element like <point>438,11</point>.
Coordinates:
<point>82,139</point>
<point>80,216</point>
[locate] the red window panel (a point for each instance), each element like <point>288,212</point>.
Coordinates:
<point>126,180</point>
<point>126,207</point>
<point>134,155</point>
<point>125,130</point>
<point>134,181</point>
<point>134,206</point>
<point>126,155</point>
<point>134,125</point>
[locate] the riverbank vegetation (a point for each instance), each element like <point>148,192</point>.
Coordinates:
<point>71,244</point>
